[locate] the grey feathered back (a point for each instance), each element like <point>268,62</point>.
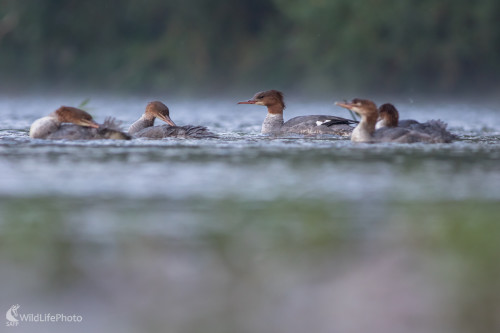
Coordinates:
<point>163,131</point>
<point>436,129</point>
<point>73,132</point>
<point>433,131</point>
<point>110,129</point>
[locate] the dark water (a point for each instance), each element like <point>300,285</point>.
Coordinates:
<point>249,233</point>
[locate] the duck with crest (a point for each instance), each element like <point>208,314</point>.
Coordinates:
<point>306,125</point>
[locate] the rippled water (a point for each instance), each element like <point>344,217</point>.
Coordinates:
<point>247,232</point>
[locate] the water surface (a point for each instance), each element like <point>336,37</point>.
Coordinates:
<point>251,233</point>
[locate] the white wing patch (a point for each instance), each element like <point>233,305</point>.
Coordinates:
<point>319,122</point>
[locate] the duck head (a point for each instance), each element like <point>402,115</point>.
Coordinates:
<point>273,99</point>
<point>362,107</point>
<point>388,114</point>
<point>157,109</point>
<point>68,114</point>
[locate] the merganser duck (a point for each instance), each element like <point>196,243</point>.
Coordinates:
<point>389,117</point>
<point>308,125</point>
<point>365,131</point>
<point>80,126</point>
<point>143,127</point>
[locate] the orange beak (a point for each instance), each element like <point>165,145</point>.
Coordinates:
<point>344,105</point>
<point>250,101</point>
<point>166,119</point>
<point>88,123</point>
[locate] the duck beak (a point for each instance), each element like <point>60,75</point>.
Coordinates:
<point>89,123</point>
<point>250,101</point>
<point>344,105</point>
<point>166,119</point>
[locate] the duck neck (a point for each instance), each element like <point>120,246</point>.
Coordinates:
<point>272,123</point>
<point>53,118</point>
<point>387,121</point>
<point>364,131</point>
<point>381,123</point>
<point>144,122</point>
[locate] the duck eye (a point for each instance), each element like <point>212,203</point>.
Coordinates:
<point>260,97</point>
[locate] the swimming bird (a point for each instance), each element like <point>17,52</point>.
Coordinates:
<point>69,123</point>
<point>144,126</point>
<point>308,125</point>
<point>389,117</point>
<point>365,131</point>
<point>43,127</point>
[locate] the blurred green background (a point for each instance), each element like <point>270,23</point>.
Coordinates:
<point>239,267</point>
<point>251,234</point>
<point>220,46</point>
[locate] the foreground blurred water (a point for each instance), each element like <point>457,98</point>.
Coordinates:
<point>249,233</point>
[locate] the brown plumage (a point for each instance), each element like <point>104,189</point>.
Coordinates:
<point>273,99</point>
<point>388,113</point>
<point>69,114</point>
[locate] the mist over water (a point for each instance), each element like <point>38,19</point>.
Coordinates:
<point>250,232</point>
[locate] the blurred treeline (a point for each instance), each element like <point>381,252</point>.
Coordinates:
<point>212,45</point>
